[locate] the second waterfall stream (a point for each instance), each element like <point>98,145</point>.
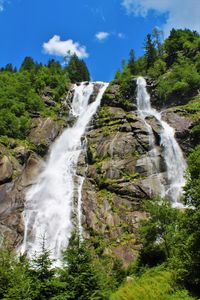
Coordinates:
<point>171,151</point>
<point>49,202</point>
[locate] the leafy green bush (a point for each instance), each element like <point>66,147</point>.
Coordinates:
<point>157,233</point>
<point>158,69</point>
<point>9,124</point>
<point>181,41</point>
<point>180,82</point>
<point>192,187</point>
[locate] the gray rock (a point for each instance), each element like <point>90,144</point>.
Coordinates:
<point>182,126</point>
<point>43,133</point>
<point>32,169</point>
<point>6,169</point>
<point>22,153</point>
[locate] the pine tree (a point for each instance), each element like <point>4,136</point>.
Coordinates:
<point>77,70</point>
<point>54,66</point>
<point>80,275</point>
<point>46,284</point>
<point>150,51</point>
<point>9,68</point>
<point>15,282</point>
<point>131,62</point>
<point>28,64</point>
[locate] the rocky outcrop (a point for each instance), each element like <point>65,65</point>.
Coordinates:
<point>182,126</point>
<point>12,198</point>
<point>47,97</point>
<point>118,179</point>
<point>43,133</point>
<point>120,173</point>
<point>122,97</point>
<point>6,169</point>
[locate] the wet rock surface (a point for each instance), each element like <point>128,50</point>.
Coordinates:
<point>182,126</point>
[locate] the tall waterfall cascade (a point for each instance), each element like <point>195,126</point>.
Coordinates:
<point>49,202</point>
<point>171,151</point>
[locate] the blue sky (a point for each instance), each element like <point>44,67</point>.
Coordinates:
<point>101,32</point>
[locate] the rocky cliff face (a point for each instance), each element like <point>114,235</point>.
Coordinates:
<point>118,176</point>
<point>115,165</point>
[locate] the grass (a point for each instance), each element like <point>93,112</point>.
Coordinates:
<point>154,284</point>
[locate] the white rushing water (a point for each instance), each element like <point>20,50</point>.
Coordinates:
<point>174,160</point>
<point>49,202</point>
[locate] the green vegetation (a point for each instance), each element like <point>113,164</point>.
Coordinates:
<point>157,233</point>
<point>23,93</point>
<point>83,275</point>
<point>154,284</point>
<point>77,70</point>
<point>150,52</point>
<point>181,81</point>
<point>191,109</point>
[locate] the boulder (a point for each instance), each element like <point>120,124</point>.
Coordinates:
<point>6,169</point>
<point>125,253</point>
<point>47,97</point>
<point>43,133</point>
<point>182,126</point>
<point>22,153</point>
<point>32,169</point>
<point>95,93</point>
<point>155,124</point>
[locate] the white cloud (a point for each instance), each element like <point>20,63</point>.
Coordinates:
<point>102,35</point>
<point>180,13</point>
<point>60,48</point>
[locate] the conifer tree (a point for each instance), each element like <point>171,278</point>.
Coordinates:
<point>80,275</point>
<point>43,274</point>
<point>150,51</point>
<point>54,65</point>
<point>9,68</point>
<point>131,62</point>
<point>77,70</point>
<point>28,64</point>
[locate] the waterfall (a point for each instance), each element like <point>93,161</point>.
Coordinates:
<point>173,156</point>
<point>49,202</point>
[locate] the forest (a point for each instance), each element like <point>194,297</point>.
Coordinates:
<point>168,263</point>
